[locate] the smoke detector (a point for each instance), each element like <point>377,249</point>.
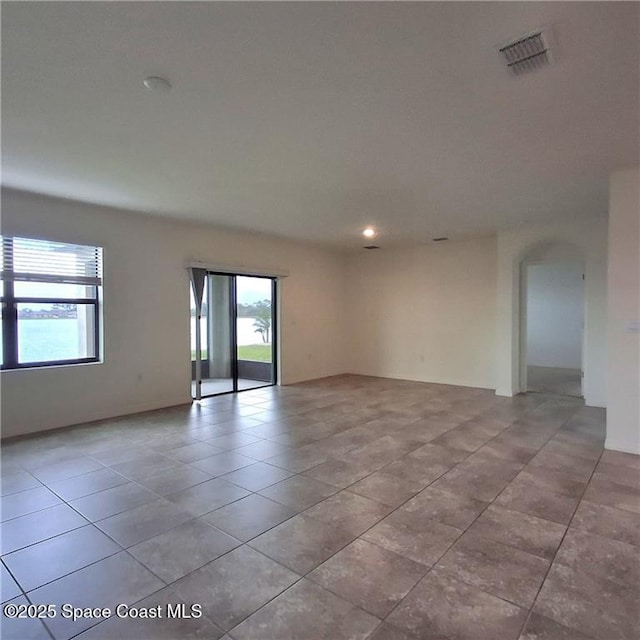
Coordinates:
<point>527,53</point>
<point>157,84</point>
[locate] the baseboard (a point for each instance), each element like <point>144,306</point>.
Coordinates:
<point>623,447</point>
<point>412,378</point>
<point>94,416</point>
<point>598,404</point>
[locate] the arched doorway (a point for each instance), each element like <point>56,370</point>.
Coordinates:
<point>552,313</point>
<point>588,244</point>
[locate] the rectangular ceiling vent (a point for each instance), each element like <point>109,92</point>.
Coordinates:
<point>527,53</point>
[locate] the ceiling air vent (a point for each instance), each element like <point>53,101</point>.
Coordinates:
<point>370,247</point>
<point>527,53</point>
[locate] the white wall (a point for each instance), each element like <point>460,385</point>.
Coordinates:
<point>588,238</point>
<point>555,312</point>
<point>623,362</point>
<point>424,313</point>
<point>146,311</point>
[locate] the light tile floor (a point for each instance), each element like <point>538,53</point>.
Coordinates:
<point>346,508</point>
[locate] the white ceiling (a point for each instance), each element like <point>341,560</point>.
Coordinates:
<point>311,120</point>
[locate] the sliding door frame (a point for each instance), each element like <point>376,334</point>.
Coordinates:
<point>233,331</point>
<point>275,343</point>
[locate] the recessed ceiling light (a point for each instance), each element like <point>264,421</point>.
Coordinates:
<point>369,232</point>
<point>155,83</point>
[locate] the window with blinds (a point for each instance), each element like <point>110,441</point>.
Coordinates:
<point>51,293</point>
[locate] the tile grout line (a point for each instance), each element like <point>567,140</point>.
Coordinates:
<point>476,518</point>
<point>168,585</point>
<point>383,620</point>
<point>373,525</point>
<point>339,489</point>
<point>165,584</point>
<point>351,541</point>
<point>586,486</point>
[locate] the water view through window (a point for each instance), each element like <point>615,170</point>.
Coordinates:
<point>50,296</point>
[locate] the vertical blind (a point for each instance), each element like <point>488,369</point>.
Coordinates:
<point>25,259</point>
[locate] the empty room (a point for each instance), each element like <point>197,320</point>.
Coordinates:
<point>320,320</point>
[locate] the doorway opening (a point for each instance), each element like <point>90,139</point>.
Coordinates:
<point>553,328</point>
<point>233,332</point>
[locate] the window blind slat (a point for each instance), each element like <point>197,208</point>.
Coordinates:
<point>25,259</point>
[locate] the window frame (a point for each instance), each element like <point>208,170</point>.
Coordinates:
<point>10,320</point>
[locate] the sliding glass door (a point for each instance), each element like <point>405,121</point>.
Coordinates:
<point>234,348</point>
<point>255,331</point>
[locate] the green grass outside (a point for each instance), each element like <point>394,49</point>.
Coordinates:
<point>254,352</point>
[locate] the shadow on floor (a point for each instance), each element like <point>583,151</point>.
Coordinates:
<point>556,380</point>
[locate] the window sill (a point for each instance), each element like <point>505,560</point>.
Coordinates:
<point>57,365</point>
